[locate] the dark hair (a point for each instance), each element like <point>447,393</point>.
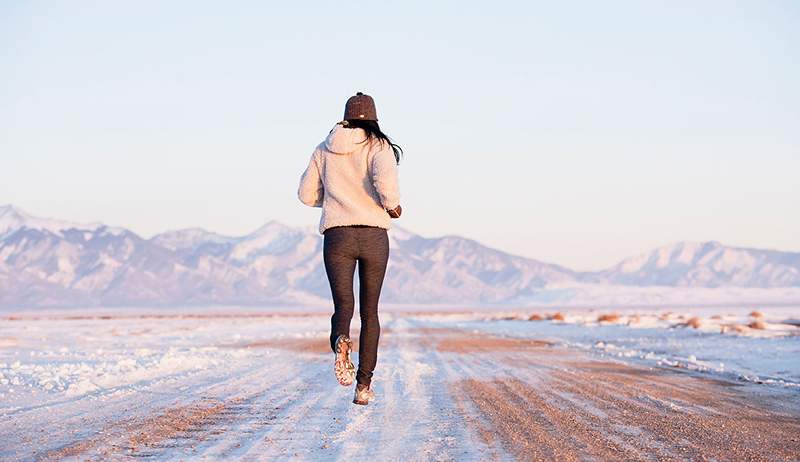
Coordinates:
<point>374,132</point>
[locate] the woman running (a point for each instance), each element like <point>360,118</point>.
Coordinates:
<point>352,175</point>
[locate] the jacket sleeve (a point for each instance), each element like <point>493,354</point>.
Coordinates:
<point>311,191</point>
<point>384,178</point>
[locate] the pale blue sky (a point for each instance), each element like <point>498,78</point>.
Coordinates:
<point>574,132</point>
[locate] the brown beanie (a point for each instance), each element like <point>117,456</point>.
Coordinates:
<point>361,107</point>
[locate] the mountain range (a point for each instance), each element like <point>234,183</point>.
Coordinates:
<point>52,263</point>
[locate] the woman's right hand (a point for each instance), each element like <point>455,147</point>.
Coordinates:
<point>395,212</point>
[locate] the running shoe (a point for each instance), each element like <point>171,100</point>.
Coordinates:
<point>343,367</point>
<point>364,394</point>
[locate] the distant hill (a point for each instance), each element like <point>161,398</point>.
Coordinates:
<point>705,264</point>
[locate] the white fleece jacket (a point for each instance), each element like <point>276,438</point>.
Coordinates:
<point>354,182</point>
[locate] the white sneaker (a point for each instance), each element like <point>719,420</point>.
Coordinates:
<point>343,367</point>
<point>364,394</point>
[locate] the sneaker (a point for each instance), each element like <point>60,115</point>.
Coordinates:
<point>343,367</point>
<point>364,394</point>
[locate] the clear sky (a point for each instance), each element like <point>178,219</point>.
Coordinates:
<point>573,132</point>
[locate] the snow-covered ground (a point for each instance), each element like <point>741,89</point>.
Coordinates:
<point>248,385</point>
<point>112,378</point>
<point>761,346</point>
<point>49,360</point>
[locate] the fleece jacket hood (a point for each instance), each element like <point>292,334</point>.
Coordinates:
<point>342,140</point>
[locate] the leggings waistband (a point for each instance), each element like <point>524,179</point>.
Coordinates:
<point>351,226</point>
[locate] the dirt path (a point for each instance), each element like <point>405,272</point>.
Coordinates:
<point>442,394</point>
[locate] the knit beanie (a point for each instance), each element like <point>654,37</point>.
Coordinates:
<point>360,107</point>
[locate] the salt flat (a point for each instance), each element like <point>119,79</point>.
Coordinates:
<point>240,384</point>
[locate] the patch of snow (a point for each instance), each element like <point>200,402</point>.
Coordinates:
<point>722,343</point>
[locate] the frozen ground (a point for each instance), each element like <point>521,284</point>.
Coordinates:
<point>125,385</point>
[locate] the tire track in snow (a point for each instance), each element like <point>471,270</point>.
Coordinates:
<point>93,415</point>
<point>233,390</point>
<point>471,444</point>
<point>410,404</point>
<point>240,425</point>
<point>288,405</point>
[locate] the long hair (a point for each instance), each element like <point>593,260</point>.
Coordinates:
<point>373,131</point>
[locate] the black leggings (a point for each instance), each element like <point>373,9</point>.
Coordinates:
<point>343,247</point>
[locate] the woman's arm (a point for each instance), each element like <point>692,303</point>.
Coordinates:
<point>311,191</point>
<point>384,178</point>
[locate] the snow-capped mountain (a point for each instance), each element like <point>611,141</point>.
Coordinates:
<point>59,263</point>
<point>456,269</point>
<point>190,239</point>
<point>706,264</point>
<point>12,218</point>
<point>53,263</point>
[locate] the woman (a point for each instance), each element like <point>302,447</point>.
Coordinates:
<point>352,175</point>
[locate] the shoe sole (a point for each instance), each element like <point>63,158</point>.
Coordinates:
<point>363,403</point>
<point>343,367</point>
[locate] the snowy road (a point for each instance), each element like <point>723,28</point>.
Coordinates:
<point>261,388</point>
